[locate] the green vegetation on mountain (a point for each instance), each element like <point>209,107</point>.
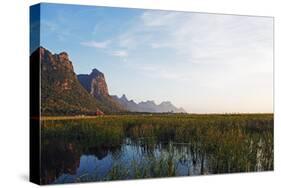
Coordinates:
<point>61,91</point>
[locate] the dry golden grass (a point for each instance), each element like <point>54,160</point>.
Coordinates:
<point>66,117</point>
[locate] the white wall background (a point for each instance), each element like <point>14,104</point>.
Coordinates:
<point>14,96</point>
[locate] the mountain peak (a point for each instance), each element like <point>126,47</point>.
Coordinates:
<point>96,72</point>
<point>166,103</point>
<point>123,97</point>
<point>94,83</point>
<point>148,102</point>
<point>59,61</point>
<point>42,51</point>
<point>63,56</point>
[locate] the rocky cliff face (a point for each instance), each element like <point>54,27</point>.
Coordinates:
<point>57,63</point>
<point>147,106</point>
<point>61,91</point>
<point>94,83</point>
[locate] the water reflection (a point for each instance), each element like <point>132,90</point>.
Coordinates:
<point>58,158</point>
<point>71,162</point>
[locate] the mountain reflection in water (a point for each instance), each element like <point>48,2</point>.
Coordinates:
<point>70,163</point>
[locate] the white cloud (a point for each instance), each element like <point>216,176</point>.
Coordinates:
<point>210,58</point>
<point>218,44</point>
<point>225,40</point>
<point>120,53</point>
<point>96,44</point>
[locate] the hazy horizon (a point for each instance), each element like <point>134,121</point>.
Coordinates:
<point>204,63</point>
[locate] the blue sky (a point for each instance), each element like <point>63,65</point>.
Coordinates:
<point>205,63</point>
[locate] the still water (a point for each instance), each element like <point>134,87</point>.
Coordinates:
<point>132,159</point>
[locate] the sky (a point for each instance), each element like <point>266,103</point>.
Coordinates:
<point>205,63</point>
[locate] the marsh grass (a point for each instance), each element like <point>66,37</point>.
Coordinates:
<point>214,143</point>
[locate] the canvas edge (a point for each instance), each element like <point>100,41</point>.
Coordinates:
<point>34,95</point>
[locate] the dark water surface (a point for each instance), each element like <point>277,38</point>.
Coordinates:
<point>99,163</point>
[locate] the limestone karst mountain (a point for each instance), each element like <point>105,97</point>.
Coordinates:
<point>96,86</point>
<point>61,91</point>
<point>65,93</point>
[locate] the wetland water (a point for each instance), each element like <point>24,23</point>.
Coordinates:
<point>130,160</point>
<point>132,147</point>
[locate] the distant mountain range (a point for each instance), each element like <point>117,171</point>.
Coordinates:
<point>147,106</point>
<point>65,93</point>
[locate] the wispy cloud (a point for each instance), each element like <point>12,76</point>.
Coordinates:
<point>213,42</point>
<point>202,60</point>
<point>96,44</point>
<point>120,53</point>
<point>226,40</point>
<point>51,28</point>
